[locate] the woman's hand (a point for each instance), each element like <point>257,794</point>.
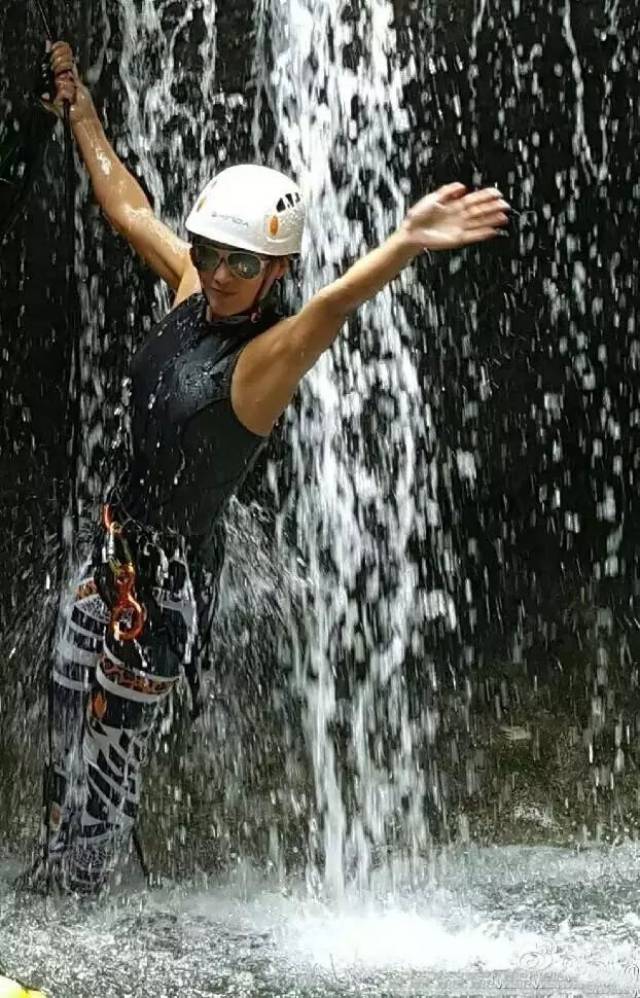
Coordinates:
<point>69,86</point>
<point>450,218</point>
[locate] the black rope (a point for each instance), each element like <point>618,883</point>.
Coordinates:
<point>45,22</point>
<point>73,335</point>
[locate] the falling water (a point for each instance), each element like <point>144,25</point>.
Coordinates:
<point>360,433</point>
<point>406,507</point>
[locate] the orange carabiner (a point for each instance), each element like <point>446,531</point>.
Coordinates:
<point>124,577</point>
<point>127,603</point>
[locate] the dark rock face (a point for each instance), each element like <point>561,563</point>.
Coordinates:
<point>550,526</point>
<point>531,369</point>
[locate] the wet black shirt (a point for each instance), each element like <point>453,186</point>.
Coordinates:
<point>189,450</point>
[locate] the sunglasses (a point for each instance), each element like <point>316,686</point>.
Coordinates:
<point>242,264</point>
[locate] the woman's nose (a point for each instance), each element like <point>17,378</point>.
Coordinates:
<point>222,273</point>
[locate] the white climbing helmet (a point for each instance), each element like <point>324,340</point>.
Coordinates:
<point>253,208</point>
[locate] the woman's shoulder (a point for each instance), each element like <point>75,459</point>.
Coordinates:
<point>188,288</point>
<point>169,334</point>
<point>188,303</point>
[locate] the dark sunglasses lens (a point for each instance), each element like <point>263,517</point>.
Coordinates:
<point>245,265</point>
<point>205,257</point>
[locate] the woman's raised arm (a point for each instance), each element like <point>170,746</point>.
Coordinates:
<point>118,193</point>
<point>271,366</point>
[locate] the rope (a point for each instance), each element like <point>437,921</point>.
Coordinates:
<point>45,22</point>
<point>73,332</point>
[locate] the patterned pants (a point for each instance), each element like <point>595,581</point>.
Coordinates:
<point>106,697</point>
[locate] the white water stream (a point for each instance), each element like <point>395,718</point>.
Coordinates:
<point>334,87</point>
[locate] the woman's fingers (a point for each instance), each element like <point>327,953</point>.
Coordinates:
<point>487,194</point>
<point>65,77</point>
<point>482,207</point>
<point>61,62</point>
<point>61,58</point>
<point>486,208</point>
<point>60,47</point>
<point>65,90</point>
<point>480,235</point>
<point>481,211</point>
<point>493,216</point>
<point>64,72</point>
<point>450,192</point>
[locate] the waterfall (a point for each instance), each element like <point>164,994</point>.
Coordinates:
<point>360,434</point>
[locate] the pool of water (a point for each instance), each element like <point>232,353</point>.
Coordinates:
<point>508,921</point>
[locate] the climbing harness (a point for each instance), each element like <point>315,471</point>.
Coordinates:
<point>121,565</point>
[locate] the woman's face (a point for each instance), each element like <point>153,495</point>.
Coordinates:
<point>227,292</point>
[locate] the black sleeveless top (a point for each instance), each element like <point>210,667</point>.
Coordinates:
<point>189,450</point>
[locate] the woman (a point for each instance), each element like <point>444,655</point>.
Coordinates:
<point>208,385</point>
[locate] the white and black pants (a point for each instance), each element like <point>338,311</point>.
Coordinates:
<point>106,696</point>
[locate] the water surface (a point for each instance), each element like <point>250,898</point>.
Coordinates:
<point>508,921</point>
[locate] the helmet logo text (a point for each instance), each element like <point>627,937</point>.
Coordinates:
<point>230,218</point>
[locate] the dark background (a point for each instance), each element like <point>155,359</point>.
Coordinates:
<point>532,368</point>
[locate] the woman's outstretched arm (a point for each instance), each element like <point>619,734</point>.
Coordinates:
<point>118,193</point>
<point>271,366</point>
